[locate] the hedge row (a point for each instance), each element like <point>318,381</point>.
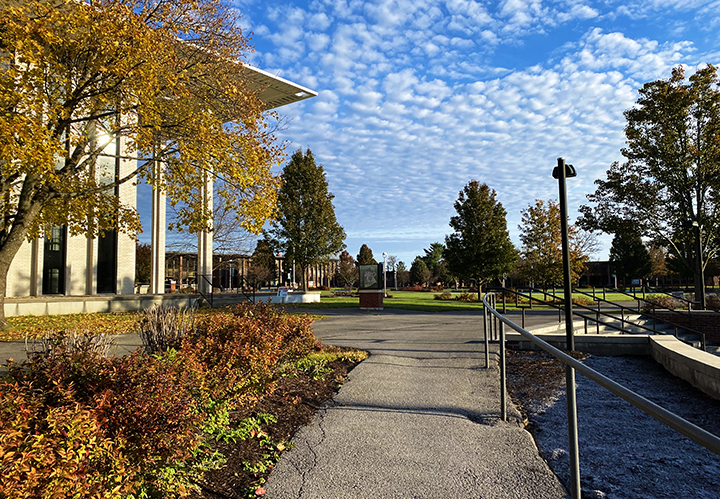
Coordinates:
<point>76,424</point>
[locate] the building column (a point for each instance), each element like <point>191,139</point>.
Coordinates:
<point>35,270</point>
<point>90,260</point>
<point>157,238</point>
<point>205,241</point>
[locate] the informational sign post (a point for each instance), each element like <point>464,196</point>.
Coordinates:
<point>371,287</point>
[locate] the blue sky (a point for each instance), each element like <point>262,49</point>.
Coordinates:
<point>418,97</point>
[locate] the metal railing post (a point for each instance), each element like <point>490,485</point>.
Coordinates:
<point>572,432</point>
<point>695,433</point>
<point>503,375</point>
<point>491,324</point>
<point>523,318</point>
<point>585,320</point>
<point>487,339</point>
<point>495,328</point>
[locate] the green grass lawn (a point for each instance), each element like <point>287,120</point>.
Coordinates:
<point>35,326</point>
<point>426,302</point>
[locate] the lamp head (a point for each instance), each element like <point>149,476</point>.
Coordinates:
<point>569,172</point>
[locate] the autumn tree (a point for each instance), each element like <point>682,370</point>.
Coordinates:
<point>670,178</point>
<point>365,256</point>
<point>657,262</point>
<point>479,248</point>
<point>392,262</point>
<point>306,228</point>
<point>402,273</point>
<point>629,258</point>
<point>541,252</point>
<point>156,87</point>
<point>347,271</point>
<point>229,236</point>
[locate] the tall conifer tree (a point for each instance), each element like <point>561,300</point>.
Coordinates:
<point>480,246</point>
<point>306,227</point>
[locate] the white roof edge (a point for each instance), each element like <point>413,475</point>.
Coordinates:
<point>276,91</point>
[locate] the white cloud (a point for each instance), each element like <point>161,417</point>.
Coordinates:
<point>417,98</point>
<point>644,59</point>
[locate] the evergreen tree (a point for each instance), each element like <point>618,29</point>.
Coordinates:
<point>365,257</point>
<point>629,258</point>
<point>306,228</point>
<point>419,272</point>
<point>433,256</point>
<point>479,248</point>
<point>262,267</point>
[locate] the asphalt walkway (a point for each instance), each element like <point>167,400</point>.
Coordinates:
<point>420,418</point>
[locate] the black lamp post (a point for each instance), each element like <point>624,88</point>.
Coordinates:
<point>560,173</point>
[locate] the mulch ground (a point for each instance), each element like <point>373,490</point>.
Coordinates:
<point>294,402</point>
<point>534,377</point>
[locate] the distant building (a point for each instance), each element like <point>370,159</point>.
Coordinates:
<point>229,272</point>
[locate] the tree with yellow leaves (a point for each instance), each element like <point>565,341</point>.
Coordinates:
<point>541,253</point>
<point>146,82</point>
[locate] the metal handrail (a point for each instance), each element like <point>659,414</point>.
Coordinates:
<point>598,313</point>
<point>687,328</point>
<point>243,281</point>
<point>212,291</point>
<point>695,433</point>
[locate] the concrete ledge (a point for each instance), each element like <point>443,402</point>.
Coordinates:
<point>58,305</point>
<point>596,344</point>
<point>296,298</point>
<point>700,369</point>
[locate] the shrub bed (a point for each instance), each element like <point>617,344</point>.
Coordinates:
<point>661,301</point>
<point>76,424</point>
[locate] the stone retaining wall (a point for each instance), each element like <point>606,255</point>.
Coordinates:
<point>700,369</point>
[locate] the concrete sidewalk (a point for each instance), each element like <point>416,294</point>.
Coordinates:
<point>419,418</point>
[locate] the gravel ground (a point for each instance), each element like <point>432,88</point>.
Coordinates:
<point>625,453</point>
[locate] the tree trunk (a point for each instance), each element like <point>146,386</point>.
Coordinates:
<point>3,289</point>
<point>29,207</point>
<point>8,250</point>
<point>303,276</point>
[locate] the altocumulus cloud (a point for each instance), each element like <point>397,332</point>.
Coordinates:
<point>418,97</point>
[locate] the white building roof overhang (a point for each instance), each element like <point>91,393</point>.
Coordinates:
<point>274,91</point>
